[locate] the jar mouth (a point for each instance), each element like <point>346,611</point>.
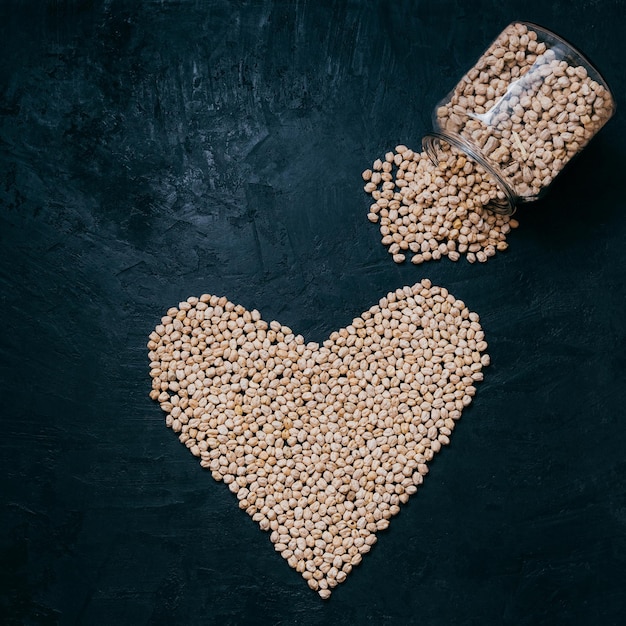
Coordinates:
<point>431,144</point>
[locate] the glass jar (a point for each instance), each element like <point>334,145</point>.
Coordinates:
<point>530,103</point>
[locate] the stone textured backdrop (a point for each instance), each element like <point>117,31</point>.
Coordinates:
<point>154,150</point>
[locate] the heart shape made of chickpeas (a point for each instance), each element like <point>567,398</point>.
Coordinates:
<point>320,444</point>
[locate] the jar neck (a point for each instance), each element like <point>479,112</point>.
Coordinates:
<point>431,144</point>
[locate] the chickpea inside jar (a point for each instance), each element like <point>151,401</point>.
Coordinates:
<point>530,103</point>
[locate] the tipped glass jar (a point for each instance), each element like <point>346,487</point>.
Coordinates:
<point>530,103</point>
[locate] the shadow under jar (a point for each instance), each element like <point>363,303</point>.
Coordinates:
<point>530,103</point>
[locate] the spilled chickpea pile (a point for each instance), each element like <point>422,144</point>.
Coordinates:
<point>320,444</point>
<point>431,212</point>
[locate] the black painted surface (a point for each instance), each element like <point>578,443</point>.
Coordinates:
<point>155,150</point>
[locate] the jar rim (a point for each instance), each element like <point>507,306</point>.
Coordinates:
<point>506,207</point>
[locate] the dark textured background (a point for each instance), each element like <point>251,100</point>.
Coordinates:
<point>150,151</point>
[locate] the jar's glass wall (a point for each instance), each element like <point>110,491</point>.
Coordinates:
<point>529,104</point>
